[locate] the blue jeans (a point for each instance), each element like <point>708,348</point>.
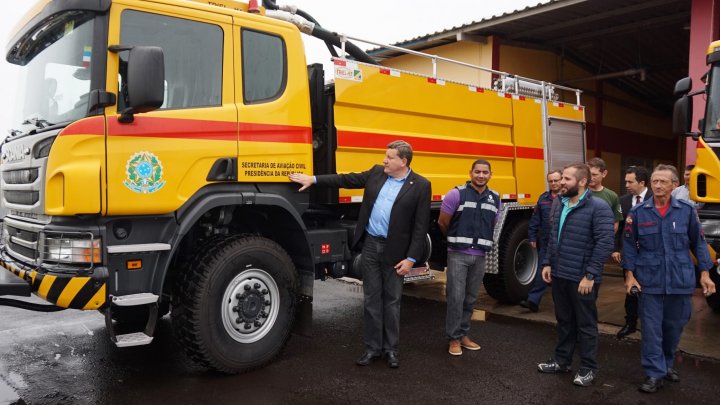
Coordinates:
<point>464,275</point>
<point>382,289</point>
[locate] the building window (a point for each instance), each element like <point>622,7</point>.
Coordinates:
<point>264,66</point>
<point>193,54</point>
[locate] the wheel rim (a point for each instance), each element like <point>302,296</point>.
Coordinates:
<point>251,305</point>
<point>525,262</point>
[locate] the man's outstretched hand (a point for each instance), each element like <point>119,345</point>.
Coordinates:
<point>303,179</point>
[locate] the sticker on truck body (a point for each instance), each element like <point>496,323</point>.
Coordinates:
<point>144,173</point>
<point>348,71</point>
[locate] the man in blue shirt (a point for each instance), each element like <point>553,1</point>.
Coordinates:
<point>393,222</point>
<point>658,235</point>
<point>538,234</point>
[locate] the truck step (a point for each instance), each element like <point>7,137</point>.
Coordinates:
<point>133,339</point>
<point>134,299</point>
<point>10,284</point>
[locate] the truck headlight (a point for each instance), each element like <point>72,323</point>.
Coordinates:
<point>70,250</point>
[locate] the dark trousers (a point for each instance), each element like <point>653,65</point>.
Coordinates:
<point>663,318</point>
<point>539,286</point>
<point>631,308</point>
<point>576,322</point>
<point>382,288</point>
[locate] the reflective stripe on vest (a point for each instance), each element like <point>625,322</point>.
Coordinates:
<point>462,239</point>
<point>467,204</point>
<point>490,207</point>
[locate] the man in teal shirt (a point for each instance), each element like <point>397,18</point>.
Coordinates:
<point>581,240</point>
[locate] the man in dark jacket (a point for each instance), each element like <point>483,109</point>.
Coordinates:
<point>658,237</point>
<point>393,221</point>
<point>637,180</point>
<point>538,235</point>
<point>581,240</point>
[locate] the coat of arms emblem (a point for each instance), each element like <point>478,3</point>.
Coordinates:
<point>144,173</point>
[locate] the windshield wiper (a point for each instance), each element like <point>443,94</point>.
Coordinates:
<point>14,132</point>
<point>38,122</point>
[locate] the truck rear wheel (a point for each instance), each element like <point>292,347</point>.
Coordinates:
<point>234,307</point>
<point>517,261</point>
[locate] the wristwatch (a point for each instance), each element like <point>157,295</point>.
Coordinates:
<point>589,276</point>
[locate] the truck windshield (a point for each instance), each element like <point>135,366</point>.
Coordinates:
<point>712,113</point>
<point>55,60</point>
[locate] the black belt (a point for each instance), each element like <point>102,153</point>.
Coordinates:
<point>378,238</point>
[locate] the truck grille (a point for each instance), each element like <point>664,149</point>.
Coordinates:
<point>22,242</point>
<point>24,176</point>
<point>22,197</point>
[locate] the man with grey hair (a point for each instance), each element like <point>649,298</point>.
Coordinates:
<point>393,220</point>
<point>658,235</point>
<point>538,234</point>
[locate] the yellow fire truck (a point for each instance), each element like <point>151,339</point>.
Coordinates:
<point>148,169</point>
<point>704,185</point>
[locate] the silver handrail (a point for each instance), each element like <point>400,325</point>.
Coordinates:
<point>546,86</point>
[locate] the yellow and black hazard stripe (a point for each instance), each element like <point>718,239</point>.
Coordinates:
<point>65,291</point>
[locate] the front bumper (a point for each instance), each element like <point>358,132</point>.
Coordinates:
<point>62,289</point>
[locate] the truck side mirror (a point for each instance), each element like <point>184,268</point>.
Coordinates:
<point>682,87</point>
<point>145,79</point>
<point>682,115</point>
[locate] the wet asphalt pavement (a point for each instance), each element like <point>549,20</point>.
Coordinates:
<point>67,358</point>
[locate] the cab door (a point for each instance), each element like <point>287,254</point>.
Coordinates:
<point>162,158</point>
<point>275,129</point>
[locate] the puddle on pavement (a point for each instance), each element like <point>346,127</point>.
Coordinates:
<point>7,393</point>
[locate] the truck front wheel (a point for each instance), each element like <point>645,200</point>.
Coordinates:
<point>517,265</point>
<point>234,307</point>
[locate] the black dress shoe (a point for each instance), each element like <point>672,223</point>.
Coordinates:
<point>651,385</point>
<point>533,307</point>
<point>366,359</point>
<point>627,329</point>
<point>672,375</point>
<point>392,360</point>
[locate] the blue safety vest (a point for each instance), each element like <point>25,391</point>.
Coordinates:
<point>473,222</point>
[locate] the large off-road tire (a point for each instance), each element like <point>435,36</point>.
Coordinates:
<point>714,300</point>
<point>234,306</point>
<point>517,261</point>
